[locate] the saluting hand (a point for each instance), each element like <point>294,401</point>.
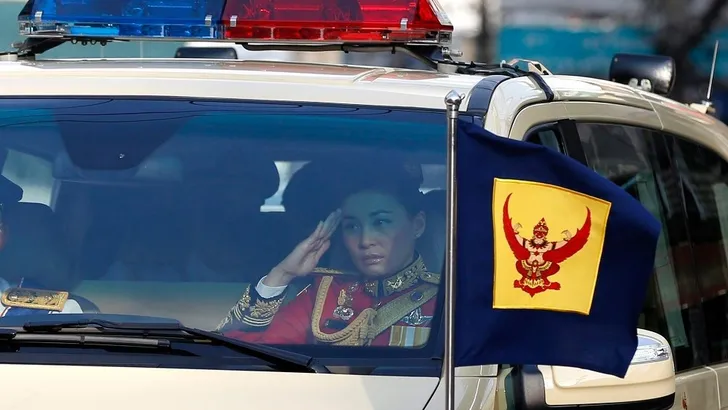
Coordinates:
<point>306,255</point>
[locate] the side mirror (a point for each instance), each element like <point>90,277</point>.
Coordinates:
<point>648,385</point>
<point>651,73</point>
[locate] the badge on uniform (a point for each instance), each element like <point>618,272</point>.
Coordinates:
<point>344,311</point>
<point>416,318</point>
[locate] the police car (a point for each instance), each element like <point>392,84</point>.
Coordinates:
<point>154,190</point>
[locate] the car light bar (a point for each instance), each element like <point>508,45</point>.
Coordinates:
<point>257,21</point>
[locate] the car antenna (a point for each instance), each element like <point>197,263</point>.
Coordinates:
<point>706,107</point>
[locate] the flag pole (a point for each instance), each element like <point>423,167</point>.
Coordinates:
<point>452,102</point>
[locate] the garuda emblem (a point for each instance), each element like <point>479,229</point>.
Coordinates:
<point>538,259</point>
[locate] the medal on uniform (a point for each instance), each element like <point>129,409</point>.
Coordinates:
<point>416,318</point>
<point>344,311</point>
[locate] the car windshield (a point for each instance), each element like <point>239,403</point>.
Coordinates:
<point>180,209</point>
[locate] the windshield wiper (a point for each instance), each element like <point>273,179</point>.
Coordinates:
<point>282,359</point>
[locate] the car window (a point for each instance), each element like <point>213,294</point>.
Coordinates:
<point>175,209</point>
<point>638,160</point>
<point>704,177</point>
<point>547,137</point>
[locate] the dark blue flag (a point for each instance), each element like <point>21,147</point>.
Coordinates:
<point>553,259</point>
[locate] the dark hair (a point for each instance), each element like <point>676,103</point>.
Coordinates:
<point>411,200</point>
<point>399,180</point>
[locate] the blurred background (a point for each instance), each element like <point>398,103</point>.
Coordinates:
<point>568,36</point>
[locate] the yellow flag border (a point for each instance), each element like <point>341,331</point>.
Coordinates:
<point>601,246</point>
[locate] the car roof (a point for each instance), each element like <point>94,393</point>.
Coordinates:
<point>389,81</point>
<point>233,79</point>
<point>674,117</point>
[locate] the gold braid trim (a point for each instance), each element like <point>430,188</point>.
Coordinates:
<point>243,304</point>
<point>253,311</point>
<point>238,311</point>
<point>225,321</point>
<point>264,309</point>
<point>370,323</point>
<point>356,334</point>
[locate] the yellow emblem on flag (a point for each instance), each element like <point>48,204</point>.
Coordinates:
<point>555,265</point>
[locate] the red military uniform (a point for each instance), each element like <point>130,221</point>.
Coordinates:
<point>342,309</point>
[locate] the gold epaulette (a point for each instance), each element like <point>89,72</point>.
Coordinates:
<point>34,299</point>
<point>429,277</point>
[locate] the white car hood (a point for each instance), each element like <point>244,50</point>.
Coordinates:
<point>118,388</point>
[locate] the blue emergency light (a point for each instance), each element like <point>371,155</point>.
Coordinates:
<point>193,19</point>
<point>307,21</point>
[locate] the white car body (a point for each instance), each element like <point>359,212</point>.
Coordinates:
<point>515,107</point>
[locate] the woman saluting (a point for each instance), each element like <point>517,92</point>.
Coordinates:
<point>386,299</point>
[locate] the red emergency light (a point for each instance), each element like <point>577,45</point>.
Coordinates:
<point>336,21</point>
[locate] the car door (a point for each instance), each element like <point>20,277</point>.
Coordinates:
<point>626,144</point>
<point>699,146</point>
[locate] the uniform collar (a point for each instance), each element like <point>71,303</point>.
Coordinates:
<point>400,281</point>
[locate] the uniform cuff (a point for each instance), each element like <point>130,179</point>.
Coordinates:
<point>253,312</point>
<point>268,292</point>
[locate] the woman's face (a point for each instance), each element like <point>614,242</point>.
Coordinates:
<point>378,233</point>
